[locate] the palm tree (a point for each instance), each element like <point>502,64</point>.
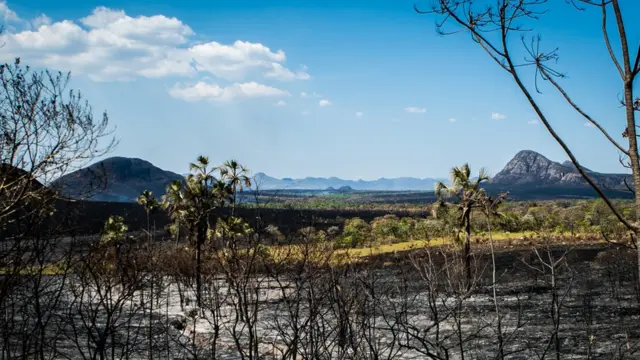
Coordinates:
<point>489,206</point>
<point>194,202</point>
<point>174,203</point>
<point>466,195</point>
<point>114,229</point>
<point>203,194</point>
<point>114,233</point>
<point>236,177</point>
<point>150,205</point>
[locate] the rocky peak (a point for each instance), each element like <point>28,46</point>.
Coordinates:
<point>528,166</point>
<point>533,169</point>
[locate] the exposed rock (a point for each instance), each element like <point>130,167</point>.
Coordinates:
<point>533,169</point>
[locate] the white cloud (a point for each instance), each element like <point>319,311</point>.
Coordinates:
<point>40,20</point>
<point>324,102</point>
<point>533,122</point>
<point>588,124</point>
<point>109,45</point>
<point>415,110</point>
<point>452,120</point>
<point>498,116</point>
<point>7,14</point>
<point>359,114</point>
<point>280,72</point>
<point>305,113</point>
<point>281,103</point>
<point>236,61</point>
<point>213,92</point>
<point>307,95</point>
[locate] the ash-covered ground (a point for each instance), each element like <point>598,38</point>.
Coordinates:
<point>577,304</point>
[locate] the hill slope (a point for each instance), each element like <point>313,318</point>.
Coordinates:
<point>532,171</point>
<point>119,179</point>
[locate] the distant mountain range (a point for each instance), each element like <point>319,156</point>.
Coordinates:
<point>265,182</point>
<point>528,171</point>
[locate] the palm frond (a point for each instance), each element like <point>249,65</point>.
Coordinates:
<point>440,188</point>
<point>483,175</point>
<point>467,171</point>
<point>460,176</point>
<point>203,160</point>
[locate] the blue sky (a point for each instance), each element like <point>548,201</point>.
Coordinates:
<point>399,99</point>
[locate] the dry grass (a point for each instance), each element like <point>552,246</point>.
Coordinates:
<point>357,254</point>
<point>45,270</point>
<point>324,253</point>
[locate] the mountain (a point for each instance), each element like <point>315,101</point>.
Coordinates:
<point>528,175</point>
<point>532,170</point>
<point>10,174</point>
<point>118,179</point>
<point>265,182</point>
<point>21,184</point>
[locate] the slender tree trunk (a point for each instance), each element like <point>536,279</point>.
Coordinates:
<point>178,231</point>
<point>198,273</point>
<point>494,279</point>
<point>633,158</point>
<point>201,236</point>
<point>151,273</point>
<point>628,78</point>
<point>233,204</point>
<point>467,249</point>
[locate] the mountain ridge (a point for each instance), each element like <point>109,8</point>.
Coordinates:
<point>266,182</point>
<point>530,168</point>
<point>527,171</point>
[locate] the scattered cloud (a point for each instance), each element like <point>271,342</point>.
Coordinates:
<point>324,102</point>
<point>312,95</point>
<point>415,110</point>
<point>40,20</point>
<point>498,116</point>
<point>533,122</point>
<point>588,124</point>
<point>280,72</point>
<point>281,103</point>
<point>213,92</point>
<point>359,114</point>
<point>452,120</point>
<point>305,113</point>
<point>7,14</point>
<point>109,45</point>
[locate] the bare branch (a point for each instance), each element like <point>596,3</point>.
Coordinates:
<point>548,77</point>
<point>512,70</point>
<point>623,38</point>
<point>607,41</point>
